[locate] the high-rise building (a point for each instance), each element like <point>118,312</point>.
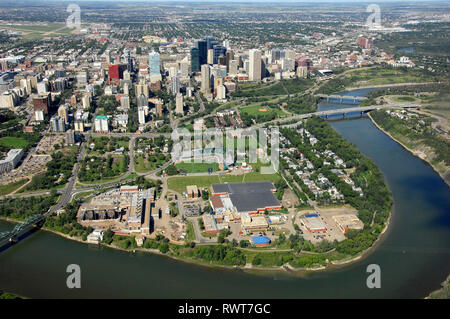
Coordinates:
<point>210,58</point>
<point>179,104</point>
<point>206,79</point>
<point>174,85</point>
<point>221,92</point>
<point>41,103</point>
<point>101,124</point>
<point>154,63</point>
<point>202,51</point>
<point>254,68</point>
<point>219,51</point>
<point>195,60</point>
<point>125,102</point>
<point>86,101</point>
<point>63,113</point>
<point>141,115</point>
<point>115,72</point>
<point>57,124</point>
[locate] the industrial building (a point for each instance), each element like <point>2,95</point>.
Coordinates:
<point>251,198</point>
<point>260,241</point>
<point>349,221</point>
<point>313,223</point>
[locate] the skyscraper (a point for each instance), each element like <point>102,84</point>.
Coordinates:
<point>254,70</point>
<point>154,63</point>
<point>179,104</point>
<point>195,59</point>
<point>206,81</point>
<point>202,51</point>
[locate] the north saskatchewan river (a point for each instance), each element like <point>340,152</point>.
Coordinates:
<point>414,254</point>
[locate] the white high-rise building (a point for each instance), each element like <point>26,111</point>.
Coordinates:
<point>101,124</point>
<point>141,115</point>
<point>254,67</point>
<point>221,92</point>
<point>86,101</point>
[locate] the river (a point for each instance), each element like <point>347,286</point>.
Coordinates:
<point>414,254</point>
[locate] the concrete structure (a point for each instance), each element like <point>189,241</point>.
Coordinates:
<point>179,104</point>
<point>12,158</point>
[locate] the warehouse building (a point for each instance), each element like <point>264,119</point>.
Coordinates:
<point>313,223</point>
<point>260,241</point>
<point>346,222</point>
<point>251,198</point>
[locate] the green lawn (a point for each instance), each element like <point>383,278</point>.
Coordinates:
<point>179,184</point>
<point>192,167</point>
<point>13,142</point>
<point>256,110</point>
<point>6,189</point>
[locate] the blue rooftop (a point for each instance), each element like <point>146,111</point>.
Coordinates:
<point>260,240</point>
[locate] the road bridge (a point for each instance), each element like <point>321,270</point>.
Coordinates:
<point>342,98</point>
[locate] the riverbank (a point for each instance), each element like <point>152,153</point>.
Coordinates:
<point>416,153</point>
<point>287,267</point>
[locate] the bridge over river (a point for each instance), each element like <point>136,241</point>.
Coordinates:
<point>343,111</point>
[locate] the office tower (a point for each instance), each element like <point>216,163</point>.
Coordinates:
<point>276,55</point>
<point>115,73</point>
<point>41,103</point>
<point>202,52</point>
<point>210,59</point>
<point>219,51</point>
<point>179,104</point>
<point>57,124</point>
<point>210,42</point>
<point>254,68</point>
<point>154,63</point>
<point>62,113</point>
<point>302,71</point>
<point>128,60</point>
<point>174,85</point>
<point>195,60</point>
<point>141,115</point>
<point>125,102</point>
<point>206,84</point>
